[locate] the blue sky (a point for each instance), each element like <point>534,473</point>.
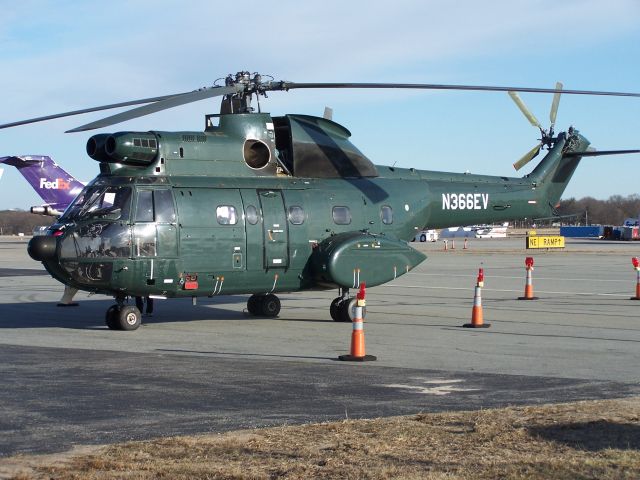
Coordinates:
<point>66,55</point>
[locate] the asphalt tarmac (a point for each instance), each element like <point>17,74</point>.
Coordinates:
<point>66,380</point>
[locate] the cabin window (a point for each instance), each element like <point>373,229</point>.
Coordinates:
<point>252,214</point>
<point>386,214</point>
<point>296,215</point>
<point>341,215</point>
<point>155,205</point>
<point>226,215</point>
<point>165,210</point>
<point>144,212</point>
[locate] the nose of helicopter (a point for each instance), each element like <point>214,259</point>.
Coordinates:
<point>42,248</point>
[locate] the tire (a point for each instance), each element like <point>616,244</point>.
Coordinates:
<point>111,317</point>
<point>345,308</point>
<point>423,238</point>
<point>270,305</point>
<point>254,304</point>
<point>129,318</point>
<point>348,310</point>
<point>334,309</point>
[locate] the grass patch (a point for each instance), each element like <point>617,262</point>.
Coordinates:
<point>596,439</point>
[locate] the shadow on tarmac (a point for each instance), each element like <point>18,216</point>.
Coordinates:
<point>592,436</point>
<point>241,354</point>
<point>91,314</point>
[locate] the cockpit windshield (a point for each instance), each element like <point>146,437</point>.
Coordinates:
<point>112,202</point>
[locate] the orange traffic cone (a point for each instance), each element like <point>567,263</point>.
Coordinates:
<point>636,265</point>
<point>528,288</point>
<point>477,320</point>
<point>357,335</point>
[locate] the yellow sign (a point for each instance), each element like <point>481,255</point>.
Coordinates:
<point>545,241</point>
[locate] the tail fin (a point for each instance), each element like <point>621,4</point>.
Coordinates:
<point>554,171</point>
<point>54,185</point>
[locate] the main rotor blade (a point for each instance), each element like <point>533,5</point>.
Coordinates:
<point>431,86</point>
<point>87,110</point>
<point>173,101</point>
<point>527,157</point>
<point>525,111</point>
<point>554,104</point>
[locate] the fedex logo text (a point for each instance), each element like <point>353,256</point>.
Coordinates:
<point>57,184</point>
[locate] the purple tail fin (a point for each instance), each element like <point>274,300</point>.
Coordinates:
<point>55,186</point>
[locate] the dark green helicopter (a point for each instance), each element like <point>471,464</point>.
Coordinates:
<point>260,204</point>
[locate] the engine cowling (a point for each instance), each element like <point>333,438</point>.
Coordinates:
<point>45,210</point>
<point>128,148</point>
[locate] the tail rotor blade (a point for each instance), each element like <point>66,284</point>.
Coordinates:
<point>527,157</point>
<point>525,111</point>
<point>554,105</point>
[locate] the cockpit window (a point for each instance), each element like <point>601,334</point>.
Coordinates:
<point>111,202</point>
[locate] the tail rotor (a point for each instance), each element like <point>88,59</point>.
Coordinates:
<point>547,139</point>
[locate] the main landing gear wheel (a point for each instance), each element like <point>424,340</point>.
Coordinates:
<point>270,305</point>
<point>343,310</point>
<point>334,309</point>
<point>111,317</point>
<point>253,304</point>
<point>265,305</point>
<point>129,318</point>
<point>125,317</point>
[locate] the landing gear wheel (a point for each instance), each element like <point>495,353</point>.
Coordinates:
<point>348,310</point>
<point>334,309</point>
<point>270,305</point>
<point>253,304</point>
<point>111,317</point>
<point>129,318</point>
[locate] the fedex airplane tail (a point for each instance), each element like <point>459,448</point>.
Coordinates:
<point>54,185</point>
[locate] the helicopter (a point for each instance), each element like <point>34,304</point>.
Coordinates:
<point>260,204</point>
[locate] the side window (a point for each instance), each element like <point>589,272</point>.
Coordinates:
<point>296,215</point>
<point>386,214</point>
<point>252,214</point>
<point>341,215</point>
<point>163,203</point>
<point>144,212</point>
<point>155,205</point>
<point>226,215</point>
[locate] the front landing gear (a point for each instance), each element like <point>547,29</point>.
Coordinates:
<point>342,308</point>
<point>123,317</point>
<point>266,305</point>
